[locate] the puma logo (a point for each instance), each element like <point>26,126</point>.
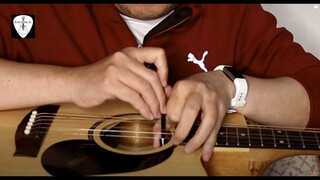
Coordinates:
<point>200,63</point>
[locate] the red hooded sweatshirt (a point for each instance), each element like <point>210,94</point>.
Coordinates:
<point>241,35</point>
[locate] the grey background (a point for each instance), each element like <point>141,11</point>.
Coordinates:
<point>302,20</point>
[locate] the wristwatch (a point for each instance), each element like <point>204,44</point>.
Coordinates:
<point>239,100</point>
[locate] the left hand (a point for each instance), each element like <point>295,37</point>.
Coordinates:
<point>209,93</point>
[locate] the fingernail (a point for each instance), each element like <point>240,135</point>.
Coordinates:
<point>175,141</point>
<point>164,110</point>
<point>206,157</point>
<point>188,148</point>
<point>150,116</point>
<point>158,115</point>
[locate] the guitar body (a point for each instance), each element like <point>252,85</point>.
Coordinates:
<point>80,145</point>
<point>21,165</point>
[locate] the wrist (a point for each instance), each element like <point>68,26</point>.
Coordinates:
<point>72,84</point>
<point>228,85</point>
<point>239,90</point>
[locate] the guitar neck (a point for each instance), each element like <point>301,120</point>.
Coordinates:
<point>268,137</point>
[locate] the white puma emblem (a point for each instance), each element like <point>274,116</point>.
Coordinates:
<point>192,58</point>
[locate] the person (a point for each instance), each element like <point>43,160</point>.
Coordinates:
<point>87,54</point>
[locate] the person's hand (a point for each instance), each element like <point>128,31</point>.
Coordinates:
<point>209,93</point>
<point>124,76</point>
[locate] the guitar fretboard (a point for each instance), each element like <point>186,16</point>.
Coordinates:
<point>264,137</point>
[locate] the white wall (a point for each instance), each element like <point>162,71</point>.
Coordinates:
<point>303,20</point>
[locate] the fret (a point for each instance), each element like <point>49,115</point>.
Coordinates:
<point>243,137</point>
<point>255,137</point>
<point>317,138</point>
<point>267,136</point>
<point>295,140</point>
<point>237,133</point>
<point>248,135</point>
<point>287,139</point>
<point>281,138</point>
<point>274,139</point>
<point>227,139</point>
<point>261,139</point>
<point>309,139</point>
<point>221,138</point>
<point>232,136</point>
<point>302,140</point>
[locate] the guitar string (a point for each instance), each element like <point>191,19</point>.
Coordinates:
<point>231,138</point>
<point>127,117</point>
<point>117,117</point>
<point>95,118</point>
<point>65,117</point>
<point>42,119</point>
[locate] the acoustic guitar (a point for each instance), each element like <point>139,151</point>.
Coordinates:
<point>114,140</point>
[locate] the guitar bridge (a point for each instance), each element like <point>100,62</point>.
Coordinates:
<point>32,130</point>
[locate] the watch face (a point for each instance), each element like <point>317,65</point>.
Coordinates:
<point>231,73</point>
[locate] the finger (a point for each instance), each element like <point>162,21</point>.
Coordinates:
<point>211,140</point>
<point>188,117</point>
<point>157,134</point>
<point>158,80</point>
<point>159,90</point>
<point>176,101</point>
<point>131,96</point>
<point>152,78</point>
<point>155,56</point>
<point>208,119</point>
<point>145,89</point>
<point>160,61</point>
<point>167,90</point>
<point>209,144</point>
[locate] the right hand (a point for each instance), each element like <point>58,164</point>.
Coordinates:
<point>124,76</point>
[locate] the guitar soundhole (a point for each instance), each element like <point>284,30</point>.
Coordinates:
<point>114,146</point>
<point>132,136</point>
